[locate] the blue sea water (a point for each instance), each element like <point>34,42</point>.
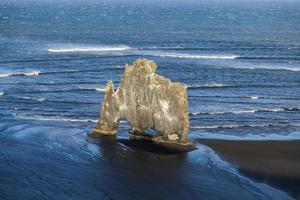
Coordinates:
<point>239,59</point>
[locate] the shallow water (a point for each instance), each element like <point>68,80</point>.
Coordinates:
<point>241,64</point>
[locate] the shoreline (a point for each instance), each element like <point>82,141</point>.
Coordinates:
<point>276,163</point>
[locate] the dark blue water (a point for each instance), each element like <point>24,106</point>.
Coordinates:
<point>240,61</point>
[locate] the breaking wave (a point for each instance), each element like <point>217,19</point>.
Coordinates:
<point>268,58</point>
<point>231,126</point>
<point>33,98</point>
<point>91,88</point>
<point>141,51</point>
<point>100,89</point>
<point>197,56</point>
<point>212,85</point>
<point>32,73</point>
<point>26,73</point>
<point>253,97</point>
<point>59,118</point>
<point>94,57</point>
<point>266,67</point>
<point>56,118</point>
<point>220,85</point>
<point>89,49</point>
<point>1,93</point>
<point>292,109</point>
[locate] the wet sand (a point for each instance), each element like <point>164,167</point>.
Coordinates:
<point>43,162</point>
<point>275,162</point>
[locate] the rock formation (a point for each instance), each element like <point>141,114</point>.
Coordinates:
<point>146,100</point>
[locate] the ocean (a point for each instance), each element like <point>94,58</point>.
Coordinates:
<point>239,59</point>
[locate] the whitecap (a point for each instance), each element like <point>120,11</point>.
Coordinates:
<point>253,97</point>
<point>100,89</point>
<point>195,113</point>
<point>24,73</point>
<point>56,118</point>
<point>272,110</point>
<point>88,49</point>
<point>32,73</point>
<point>211,85</point>
<point>225,112</point>
<point>85,87</point>
<point>243,111</point>
<point>90,87</point>
<point>5,74</point>
<point>1,93</point>
<point>220,126</point>
<point>34,99</point>
<point>266,67</point>
<point>231,126</point>
<point>198,56</point>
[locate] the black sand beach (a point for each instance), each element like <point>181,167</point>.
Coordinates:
<point>274,162</point>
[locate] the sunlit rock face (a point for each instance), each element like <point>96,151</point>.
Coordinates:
<point>146,100</point>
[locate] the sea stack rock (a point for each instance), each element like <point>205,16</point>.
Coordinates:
<point>146,100</point>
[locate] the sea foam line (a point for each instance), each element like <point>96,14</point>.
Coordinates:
<point>29,73</point>
<point>231,126</point>
<point>57,118</point>
<point>139,52</point>
<point>41,118</point>
<point>198,56</point>
<point>292,109</point>
<point>212,85</point>
<point>273,68</point>
<point>100,89</point>
<point>89,88</point>
<point>33,98</point>
<point>87,49</point>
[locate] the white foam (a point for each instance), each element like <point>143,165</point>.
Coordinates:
<point>34,99</point>
<point>198,56</point>
<point>1,93</point>
<point>57,118</point>
<point>230,126</point>
<point>5,74</point>
<point>266,67</point>
<point>85,87</point>
<point>90,87</point>
<point>239,111</point>
<point>32,73</point>
<point>242,111</point>
<point>253,97</point>
<point>275,110</point>
<point>250,137</point>
<point>212,85</point>
<point>25,73</point>
<point>89,49</point>
<point>223,126</point>
<point>100,89</point>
